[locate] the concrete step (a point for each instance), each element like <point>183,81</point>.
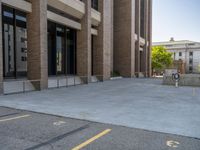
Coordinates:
<point>55,82</point>
<point>94,79</point>
<point>17,86</point>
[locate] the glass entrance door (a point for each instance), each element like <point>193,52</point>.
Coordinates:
<point>51,48</point>
<point>60,49</point>
<point>71,51</point>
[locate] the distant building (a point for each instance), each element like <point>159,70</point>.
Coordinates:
<point>187,51</point>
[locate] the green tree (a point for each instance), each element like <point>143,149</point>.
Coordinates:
<point>161,59</point>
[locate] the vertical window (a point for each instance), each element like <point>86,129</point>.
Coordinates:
<point>61,50</point>
<point>191,61</point>
<point>71,51</point>
<point>142,18</point>
<point>21,43</point>
<point>190,69</point>
<point>94,4</point>
<point>14,30</point>
<point>180,54</point>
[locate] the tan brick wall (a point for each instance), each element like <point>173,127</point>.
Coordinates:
<point>37,43</point>
<point>123,37</point>
<point>137,44</point>
<point>103,41</point>
<point>111,32</point>
<point>145,51</point>
<point>145,61</point>
<point>84,43</point>
<point>1,53</point>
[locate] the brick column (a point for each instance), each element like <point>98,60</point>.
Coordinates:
<point>124,37</point>
<point>145,50</point>
<point>112,38</point>
<point>1,52</point>
<point>37,44</point>
<point>137,44</point>
<point>149,36</point>
<point>103,41</point>
<point>84,44</point>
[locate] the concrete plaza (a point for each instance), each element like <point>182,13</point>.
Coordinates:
<point>137,103</point>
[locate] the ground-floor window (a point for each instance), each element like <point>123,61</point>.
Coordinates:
<point>92,55</point>
<point>14,42</point>
<point>61,50</point>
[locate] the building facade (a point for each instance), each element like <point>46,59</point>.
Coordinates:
<point>42,39</point>
<point>187,51</point>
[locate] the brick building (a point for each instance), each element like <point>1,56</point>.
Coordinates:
<point>45,39</point>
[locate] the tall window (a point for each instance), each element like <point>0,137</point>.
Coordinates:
<point>14,43</point>
<point>71,51</point>
<point>190,62</point>
<point>61,50</point>
<point>95,4</point>
<point>142,18</point>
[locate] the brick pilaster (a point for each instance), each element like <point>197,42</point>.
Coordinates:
<point>103,41</point>
<point>1,52</point>
<point>37,44</point>
<point>84,44</point>
<point>124,37</point>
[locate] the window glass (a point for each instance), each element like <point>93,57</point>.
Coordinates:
<point>61,50</point>
<point>15,42</point>
<point>21,51</point>
<point>9,61</point>
<point>94,4</point>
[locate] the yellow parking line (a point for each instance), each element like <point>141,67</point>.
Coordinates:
<point>14,118</point>
<point>92,139</point>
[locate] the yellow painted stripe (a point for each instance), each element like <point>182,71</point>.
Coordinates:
<point>92,139</point>
<point>14,118</point>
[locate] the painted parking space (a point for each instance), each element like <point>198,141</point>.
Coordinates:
<point>14,118</point>
<point>91,140</point>
<point>47,132</point>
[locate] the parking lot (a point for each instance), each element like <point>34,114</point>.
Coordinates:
<point>24,130</point>
<point>135,103</point>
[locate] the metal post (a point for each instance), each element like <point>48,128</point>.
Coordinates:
<point>176,84</point>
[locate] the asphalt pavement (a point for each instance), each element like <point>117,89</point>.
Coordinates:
<point>24,130</point>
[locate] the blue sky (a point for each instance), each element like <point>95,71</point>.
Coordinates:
<point>176,18</point>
